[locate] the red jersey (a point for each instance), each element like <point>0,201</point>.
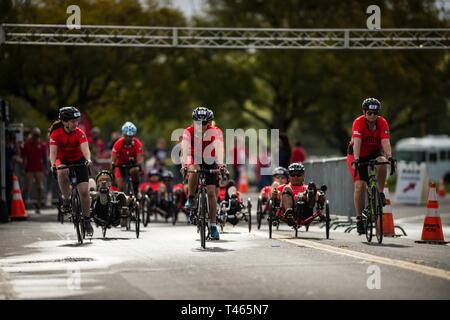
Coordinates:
<point>222,192</point>
<point>206,139</point>
<point>68,144</point>
<point>266,191</point>
<point>143,187</point>
<point>370,140</point>
<point>178,186</point>
<point>127,153</point>
<point>296,189</point>
<point>35,154</point>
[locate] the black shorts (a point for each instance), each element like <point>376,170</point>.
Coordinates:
<point>364,170</point>
<point>81,172</point>
<point>212,179</point>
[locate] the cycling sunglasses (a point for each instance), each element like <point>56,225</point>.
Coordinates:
<point>296,174</point>
<point>279,176</point>
<point>204,123</point>
<point>369,113</point>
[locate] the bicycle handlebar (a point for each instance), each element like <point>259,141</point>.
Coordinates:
<point>374,163</point>
<point>68,166</point>
<point>128,166</point>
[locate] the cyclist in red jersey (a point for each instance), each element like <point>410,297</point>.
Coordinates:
<point>153,183</point>
<point>370,140</point>
<point>69,145</point>
<point>202,147</point>
<point>126,151</point>
<point>293,194</point>
<point>280,176</point>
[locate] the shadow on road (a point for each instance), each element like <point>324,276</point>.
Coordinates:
<point>389,245</point>
<point>112,238</point>
<point>212,249</point>
<point>74,245</point>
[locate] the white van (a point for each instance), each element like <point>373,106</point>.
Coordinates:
<point>433,150</point>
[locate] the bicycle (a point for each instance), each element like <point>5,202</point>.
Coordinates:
<point>201,211</point>
<point>133,205</point>
<point>373,212</point>
<point>76,215</point>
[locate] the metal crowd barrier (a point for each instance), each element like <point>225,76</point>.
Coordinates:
<point>334,174</point>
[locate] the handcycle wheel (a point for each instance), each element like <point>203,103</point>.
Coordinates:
<point>137,218</point>
<point>379,220</point>
<point>249,209</point>
<point>145,211</point>
<point>174,210</point>
<point>259,213</point>
<point>270,219</point>
<point>327,220</point>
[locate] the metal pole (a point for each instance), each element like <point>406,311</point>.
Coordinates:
<point>2,35</point>
<point>3,120</point>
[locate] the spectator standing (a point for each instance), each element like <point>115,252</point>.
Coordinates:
<point>298,153</point>
<point>34,154</point>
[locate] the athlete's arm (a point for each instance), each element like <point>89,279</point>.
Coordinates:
<point>386,144</point>
<point>85,151</point>
<point>356,147</point>
<point>52,154</point>
<point>185,150</point>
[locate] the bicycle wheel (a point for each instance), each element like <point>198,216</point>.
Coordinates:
<point>202,218</point>
<point>76,215</point>
<point>327,221</point>
<point>249,209</point>
<point>370,213</point>
<point>259,213</point>
<point>379,219</point>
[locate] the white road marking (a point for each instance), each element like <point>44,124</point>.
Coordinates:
<point>429,271</point>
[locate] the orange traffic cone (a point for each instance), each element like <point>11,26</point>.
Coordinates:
<point>17,206</point>
<point>388,218</point>
<point>243,180</point>
<point>432,225</point>
<point>441,190</point>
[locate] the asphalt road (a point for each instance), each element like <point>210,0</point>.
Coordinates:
<point>40,259</point>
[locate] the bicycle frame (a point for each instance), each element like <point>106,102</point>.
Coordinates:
<point>75,201</point>
<point>202,204</point>
<point>373,212</point>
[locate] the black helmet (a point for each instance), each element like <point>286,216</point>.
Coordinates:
<point>154,172</point>
<point>103,172</point>
<point>202,114</point>
<point>69,113</point>
<point>371,104</point>
<point>280,171</point>
<point>296,166</point>
<point>167,174</point>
